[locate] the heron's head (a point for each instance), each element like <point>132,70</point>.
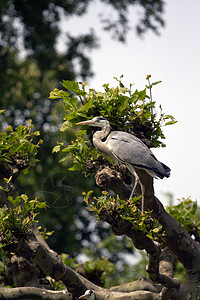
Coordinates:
<point>96,122</point>
<point>88,295</point>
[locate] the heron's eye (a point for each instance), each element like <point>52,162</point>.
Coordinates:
<point>101,119</point>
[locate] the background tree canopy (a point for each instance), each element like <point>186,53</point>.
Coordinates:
<point>31,66</point>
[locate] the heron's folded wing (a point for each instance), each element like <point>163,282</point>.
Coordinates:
<point>130,150</point>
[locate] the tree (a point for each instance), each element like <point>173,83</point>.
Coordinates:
<point>165,239</point>
<point>32,65</point>
<point>34,29</point>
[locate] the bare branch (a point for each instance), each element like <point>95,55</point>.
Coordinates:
<point>113,295</point>
<point>140,284</point>
<point>156,266</point>
<point>33,293</point>
<point>139,295</point>
<point>52,264</point>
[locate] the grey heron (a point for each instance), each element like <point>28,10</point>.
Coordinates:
<point>127,149</point>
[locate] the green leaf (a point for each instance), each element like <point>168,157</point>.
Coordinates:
<point>156,82</point>
<point>73,86</point>
<point>157,229</point>
<point>74,168</point>
<point>82,115</point>
<point>63,159</point>
<point>41,205</point>
<point>71,116</point>
<point>36,133</point>
<point>56,149</point>
<point>65,125</point>
<point>24,197</point>
<point>124,105</point>
<point>63,94</point>
<point>70,85</point>
<point>171,122</point>
<point>81,132</point>
<point>14,201</point>
<point>74,102</point>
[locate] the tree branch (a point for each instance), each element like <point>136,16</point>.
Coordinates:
<point>140,241</point>
<point>33,293</point>
<point>160,267</point>
<point>52,264</point>
<point>141,284</point>
<point>139,295</point>
<point>110,179</point>
<point>157,266</point>
<point>176,237</point>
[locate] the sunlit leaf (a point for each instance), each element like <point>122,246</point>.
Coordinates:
<point>56,149</point>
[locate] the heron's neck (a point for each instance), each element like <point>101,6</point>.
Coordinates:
<point>99,136</point>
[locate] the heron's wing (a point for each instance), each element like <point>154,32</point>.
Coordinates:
<point>132,151</point>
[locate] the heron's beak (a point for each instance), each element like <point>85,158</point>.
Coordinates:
<point>84,297</point>
<point>89,122</point>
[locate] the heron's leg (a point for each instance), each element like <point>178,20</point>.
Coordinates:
<point>137,180</point>
<point>143,191</point>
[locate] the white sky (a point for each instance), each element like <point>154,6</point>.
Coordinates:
<point>174,58</point>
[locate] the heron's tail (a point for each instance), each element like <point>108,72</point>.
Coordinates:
<point>167,169</point>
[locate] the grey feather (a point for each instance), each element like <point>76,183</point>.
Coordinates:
<point>130,150</point>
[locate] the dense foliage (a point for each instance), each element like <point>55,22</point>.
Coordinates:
<point>126,110</point>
